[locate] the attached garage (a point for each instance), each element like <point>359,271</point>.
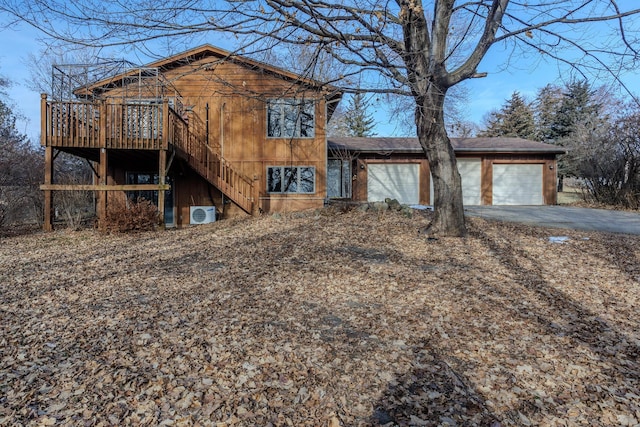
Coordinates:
<point>499,171</point>
<point>517,184</point>
<point>400,181</point>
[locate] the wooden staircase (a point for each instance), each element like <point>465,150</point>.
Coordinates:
<point>82,125</point>
<point>209,164</point>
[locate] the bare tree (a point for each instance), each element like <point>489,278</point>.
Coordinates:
<point>20,166</point>
<point>606,158</point>
<point>420,49</point>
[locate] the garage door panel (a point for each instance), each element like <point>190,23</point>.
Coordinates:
<point>471,176</point>
<point>395,181</point>
<point>517,184</point>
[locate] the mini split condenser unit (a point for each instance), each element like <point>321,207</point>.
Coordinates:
<point>202,214</point>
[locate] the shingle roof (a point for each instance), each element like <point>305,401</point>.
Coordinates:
<point>460,145</point>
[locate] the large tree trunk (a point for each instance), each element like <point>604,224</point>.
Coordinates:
<point>447,189</point>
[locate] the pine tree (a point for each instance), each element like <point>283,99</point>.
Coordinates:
<point>357,119</point>
<point>546,107</point>
<point>514,119</point>
<point>567,117</point>
<point>578,108</point>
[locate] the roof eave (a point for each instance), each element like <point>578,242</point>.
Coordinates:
<point>508,150</point>
<point>329,90</point>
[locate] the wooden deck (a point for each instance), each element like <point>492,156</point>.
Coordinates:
<point>140,126</point>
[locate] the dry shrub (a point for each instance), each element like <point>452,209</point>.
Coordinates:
<point>126,216</point>
<point>20,205</point>
<point>75,208</point>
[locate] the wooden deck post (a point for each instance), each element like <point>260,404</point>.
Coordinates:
<point>47,223</point>
<point>162,158</point>
<point>162,164</point>
<point>103,169</point>
<point>103,166</point>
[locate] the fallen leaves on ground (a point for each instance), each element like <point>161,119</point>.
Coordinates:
<point>320,319</point>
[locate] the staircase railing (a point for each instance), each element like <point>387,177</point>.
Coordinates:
<point>141,126</point>
<point>208,163</point>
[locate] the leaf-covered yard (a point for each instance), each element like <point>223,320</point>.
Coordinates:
<point>320,319</point>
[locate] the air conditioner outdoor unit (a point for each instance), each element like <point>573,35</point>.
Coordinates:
<point>202,214</point>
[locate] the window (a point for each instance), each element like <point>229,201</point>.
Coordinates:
<point>339,178</point>
<point>151,195</point>
<point>291,179</point>
<point>290,118</point>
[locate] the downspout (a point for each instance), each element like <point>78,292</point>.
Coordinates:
<point>222,130</point>
<point>206,121</point>
<point>222,146</point>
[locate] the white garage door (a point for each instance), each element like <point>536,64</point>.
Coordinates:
<point>395,181</point>
<point>471,177</point>
<point>517,184</point>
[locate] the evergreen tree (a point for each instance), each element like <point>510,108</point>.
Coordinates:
<point>514,119</point>
<point>568,118</point>
<point>357,119</point>
<point>546,106</point>
<point>578,108</point>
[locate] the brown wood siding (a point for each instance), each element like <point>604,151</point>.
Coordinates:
<point>237,121</point>
<point>191,190</point>
<point>486,186</point>
<point>237,97</point>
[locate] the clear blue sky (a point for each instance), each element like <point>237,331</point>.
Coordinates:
<point>485,93</point>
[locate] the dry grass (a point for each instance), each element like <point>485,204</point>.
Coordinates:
<point>570,195</point>
<point>324,319</point>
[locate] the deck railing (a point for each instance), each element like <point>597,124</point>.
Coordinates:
<point>71,124</point>
<point>102,125</point>
<point>134,126</point>
<point>141,126</point>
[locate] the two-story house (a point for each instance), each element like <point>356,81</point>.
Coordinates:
<point>198,129</point>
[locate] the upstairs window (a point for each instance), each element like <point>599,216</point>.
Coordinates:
<point>290,118</point>
<point>291,179</point>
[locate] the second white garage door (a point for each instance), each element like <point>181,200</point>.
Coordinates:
<point>517,184</point>
<point>400,181</point>
<point>471,179</point>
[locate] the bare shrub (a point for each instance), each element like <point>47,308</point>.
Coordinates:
<point>73,207</point>
<point>608,162</point>
<point>20,205</point>
<point>126,216</point>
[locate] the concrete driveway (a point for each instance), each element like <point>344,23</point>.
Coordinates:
<point>562,217</point>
